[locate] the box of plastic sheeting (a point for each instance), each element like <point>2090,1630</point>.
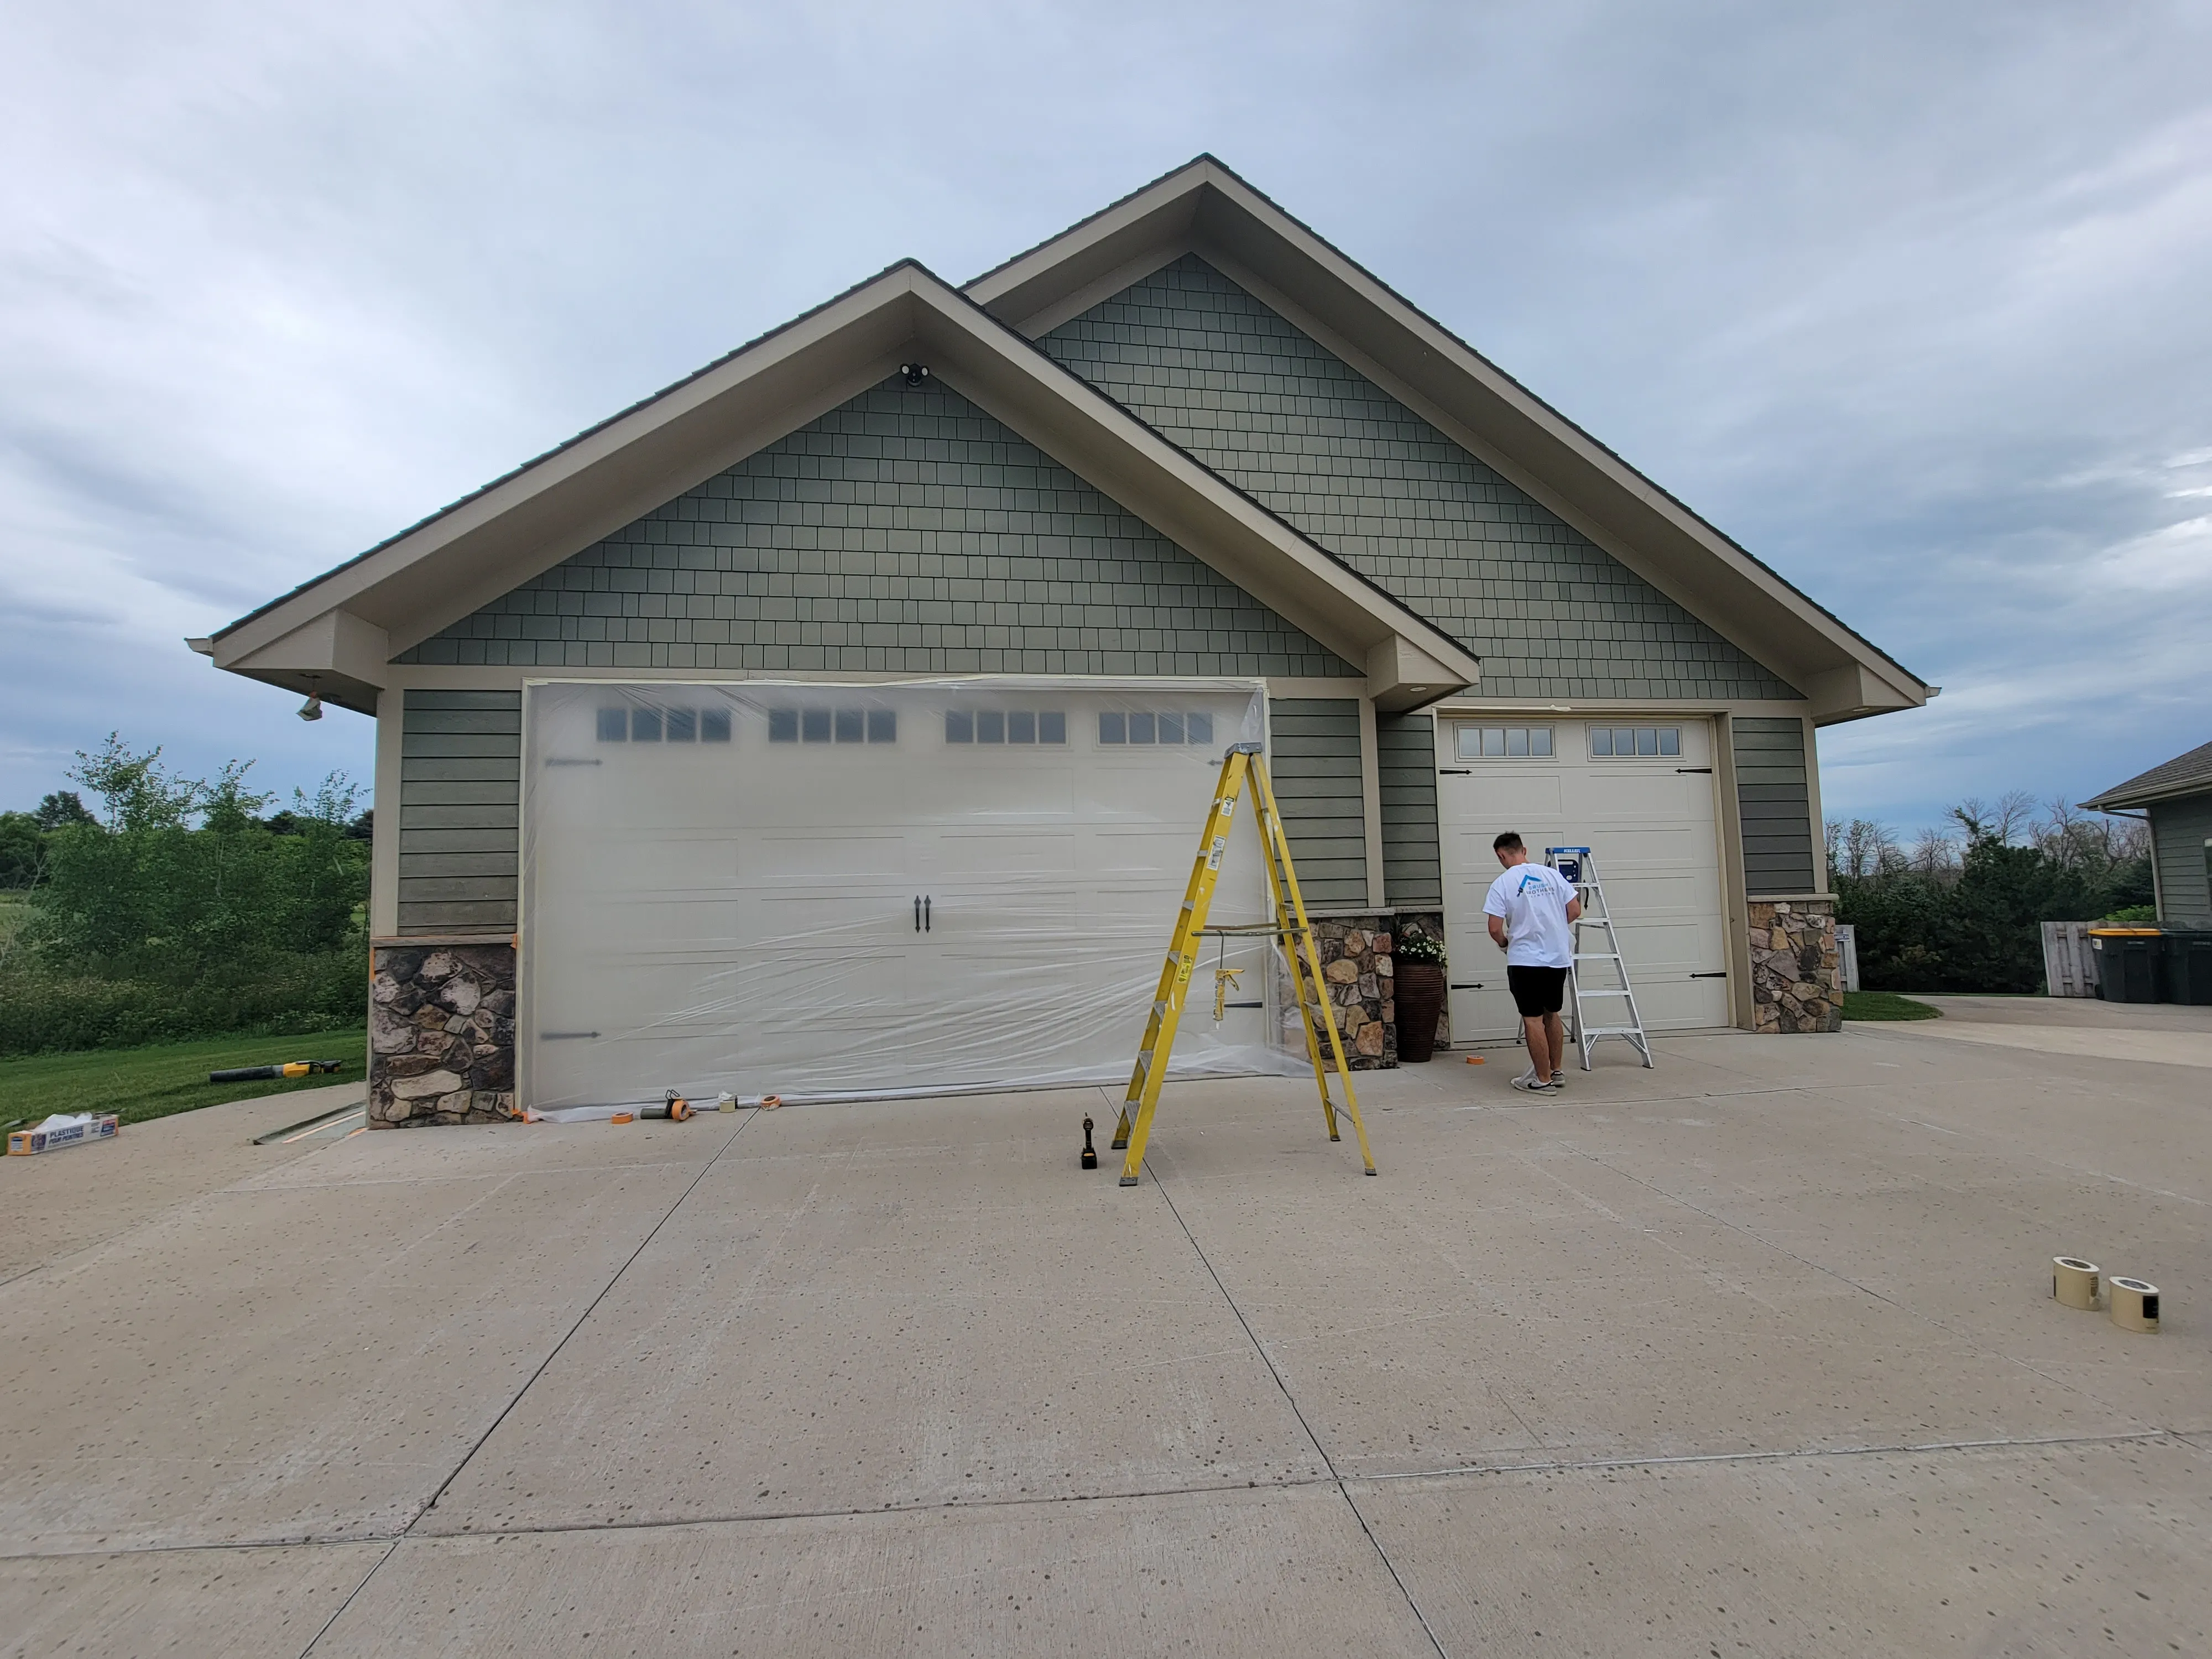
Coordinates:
<point>76,1129</point>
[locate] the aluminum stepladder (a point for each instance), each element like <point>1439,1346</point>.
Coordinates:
<point>1243,763</point>
<point>1578,866</point>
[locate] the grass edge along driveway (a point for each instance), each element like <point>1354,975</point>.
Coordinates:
<point>1885,1005</point>
<point>139,1084</point>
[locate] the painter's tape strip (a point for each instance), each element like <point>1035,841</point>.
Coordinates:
<point>2134,1304</point>
<point>2074,1281</point>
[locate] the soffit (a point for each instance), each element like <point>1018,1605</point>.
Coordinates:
<point>520,525</point>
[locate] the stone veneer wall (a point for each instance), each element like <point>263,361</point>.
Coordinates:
<point>441,1034</point>
<point>1794,986</point>
<point>1357,965</point>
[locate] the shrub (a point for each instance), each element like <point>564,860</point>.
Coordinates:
<point>180,913</point>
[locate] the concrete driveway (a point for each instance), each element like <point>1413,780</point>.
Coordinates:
<point>1754,1353</point>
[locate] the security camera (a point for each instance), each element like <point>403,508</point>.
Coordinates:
<point>312,708</point>
<point>915,373</point>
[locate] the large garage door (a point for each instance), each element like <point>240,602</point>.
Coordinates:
<point>1640,795</point>
<point>818,890</point>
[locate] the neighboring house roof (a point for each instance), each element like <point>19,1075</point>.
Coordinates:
<point>335,634</point>
<point>2184,775</point>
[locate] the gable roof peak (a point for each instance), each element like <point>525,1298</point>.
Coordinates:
<point>1204,207</point>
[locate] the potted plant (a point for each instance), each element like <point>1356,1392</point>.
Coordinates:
<point>1417,984</point>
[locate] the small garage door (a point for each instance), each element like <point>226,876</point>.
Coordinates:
<point>818,891</point>
<point>1640,795</point>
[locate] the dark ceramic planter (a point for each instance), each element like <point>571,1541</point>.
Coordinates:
<point>1419,989</point>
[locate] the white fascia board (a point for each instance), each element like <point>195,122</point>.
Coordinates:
<point>524,525</point>
<point>488,545</point>
<point>1040,289</point>
<point>1538,449</point>
<point>1205,207</point>
<point>1109,449</point>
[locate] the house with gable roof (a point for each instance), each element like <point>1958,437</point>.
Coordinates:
<point>841,717</point>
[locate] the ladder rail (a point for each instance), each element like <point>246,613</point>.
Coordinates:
<point>1242,765</point>
<point>1276,843</point>
<point>1596,913</point>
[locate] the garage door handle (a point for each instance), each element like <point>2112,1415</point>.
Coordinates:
<point>1694,768</point>
<point>917,913</point>
<point>1454,771</point>
<point>1467,985</point>
<point>1721,974</point>
<point>925,913</point>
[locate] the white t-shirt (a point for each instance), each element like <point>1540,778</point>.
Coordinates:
<point>1533,898</point>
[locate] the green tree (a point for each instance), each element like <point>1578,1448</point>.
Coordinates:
<point>22,851</point>
<point>62,807</point>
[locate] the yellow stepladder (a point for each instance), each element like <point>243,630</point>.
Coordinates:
<point>1242,761</point>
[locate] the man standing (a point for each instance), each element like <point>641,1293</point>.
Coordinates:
<point>1531,908</point>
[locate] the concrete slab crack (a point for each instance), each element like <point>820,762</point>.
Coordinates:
<point>1291,1400</point>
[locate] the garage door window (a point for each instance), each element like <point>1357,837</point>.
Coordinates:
<point>1504,742</point>
<point>832,726</point>
<point>1031,726</point>
<point>1173,726</point>
<point>672,725</point>
<point>1634,742</point>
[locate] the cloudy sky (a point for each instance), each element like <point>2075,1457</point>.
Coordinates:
<point>1910,299</point>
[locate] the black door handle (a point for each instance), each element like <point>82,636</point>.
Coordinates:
<point>925,913</point>
<point>917,913</point>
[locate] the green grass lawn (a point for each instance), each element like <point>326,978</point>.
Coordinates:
<point>1885,1005</point>
<point>139,1084</point>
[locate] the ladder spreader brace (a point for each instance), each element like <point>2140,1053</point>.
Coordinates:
<point>1243,762</point>
<point>1578,866</point>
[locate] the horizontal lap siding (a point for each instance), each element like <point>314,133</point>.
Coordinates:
<point>1313,759</point>
<point>1774,798</point>
<point>1406,762</point>
<point>460,769</point>
<point>2179,829</point>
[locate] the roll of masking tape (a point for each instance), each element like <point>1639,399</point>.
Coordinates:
<point>2074,1281</point>
<point>2134,1304</point>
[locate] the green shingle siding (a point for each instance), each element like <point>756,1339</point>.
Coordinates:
<point>1774,797</point>
<point>460,769</point>
<point>1312,760</point>
<point>1550,614</point>
<point>905,532</point>
<point>2179,829</point>
<point>1406,768</point>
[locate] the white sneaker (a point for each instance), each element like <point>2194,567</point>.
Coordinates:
<point>1530,1085</point>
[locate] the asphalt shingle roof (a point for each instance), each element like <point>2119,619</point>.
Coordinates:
<point>2183,774</point>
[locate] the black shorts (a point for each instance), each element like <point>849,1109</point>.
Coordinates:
<point>1537,991</point>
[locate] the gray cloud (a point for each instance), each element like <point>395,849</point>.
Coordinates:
<point>1907,299</point>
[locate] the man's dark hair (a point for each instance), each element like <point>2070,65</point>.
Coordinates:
<point>1505,842</point>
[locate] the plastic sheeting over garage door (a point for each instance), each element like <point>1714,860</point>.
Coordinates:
<point>823,890</point>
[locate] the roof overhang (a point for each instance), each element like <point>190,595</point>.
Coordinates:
<point>1205,209</point>
<point>337,633</point>
<point>2125,799</point>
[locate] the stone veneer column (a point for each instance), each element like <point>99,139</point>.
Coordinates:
<point>441,1034</point>
<point>1357,966</point>
<point>1794,986</point>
